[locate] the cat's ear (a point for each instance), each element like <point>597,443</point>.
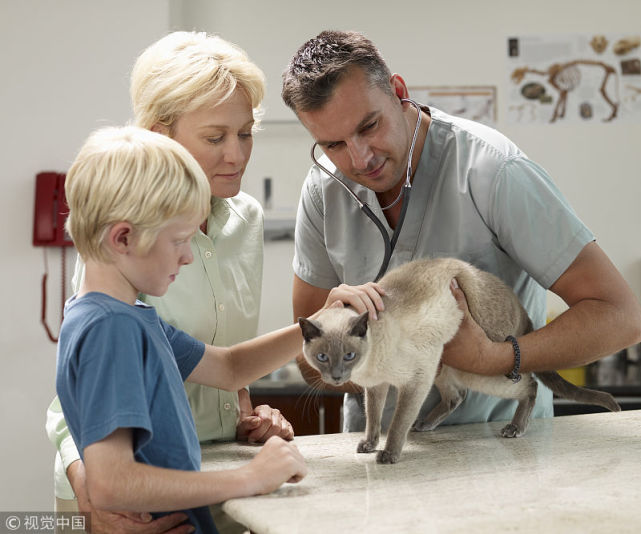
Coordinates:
<point>359,325</point>
<point>310,328</point>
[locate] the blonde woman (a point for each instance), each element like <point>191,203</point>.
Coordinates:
<point>136,197</point>
<point>204,93</point>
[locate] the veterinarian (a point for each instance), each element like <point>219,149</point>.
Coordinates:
<point>205,93</point>
<point>474,195</point>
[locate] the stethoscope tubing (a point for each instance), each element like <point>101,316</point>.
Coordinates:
<point>388,243</point>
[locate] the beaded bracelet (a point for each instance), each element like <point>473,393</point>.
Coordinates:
<point>514,375</point>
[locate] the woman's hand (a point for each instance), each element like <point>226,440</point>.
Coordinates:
<point>262,423</point>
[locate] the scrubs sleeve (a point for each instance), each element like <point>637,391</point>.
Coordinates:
<point>311,262</point>
<point>533,222</point>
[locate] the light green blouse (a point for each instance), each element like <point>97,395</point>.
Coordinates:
<point>216,299</point>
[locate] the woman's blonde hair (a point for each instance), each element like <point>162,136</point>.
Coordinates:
<point>184,70</point>
<point>131,174</point>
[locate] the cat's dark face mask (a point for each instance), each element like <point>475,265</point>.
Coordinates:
<point>334,352</point>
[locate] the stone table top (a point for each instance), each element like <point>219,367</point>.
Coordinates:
<point>577,473</point>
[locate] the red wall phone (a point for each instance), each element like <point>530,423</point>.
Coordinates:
<point>50,211</point>
<point>50,214</point>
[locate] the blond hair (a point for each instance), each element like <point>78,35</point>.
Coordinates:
<point>185,70</point>
<point>134,175</point>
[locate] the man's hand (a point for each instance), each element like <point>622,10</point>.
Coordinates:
<point>363,298</point>
<point>103,522</point>
<point>470,347</point>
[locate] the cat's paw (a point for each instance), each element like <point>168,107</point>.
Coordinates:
<point>423,425</point>
<point>366,446</point>
<point>511,431</point>
<point>386,457</point>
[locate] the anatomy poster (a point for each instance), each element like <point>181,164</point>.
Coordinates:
<point>471,102</point>
<point>574,78</point>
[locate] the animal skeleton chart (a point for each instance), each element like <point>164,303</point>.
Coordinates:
<point>474,102</point>
<point>574,78</point>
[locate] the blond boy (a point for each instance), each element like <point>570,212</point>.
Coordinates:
<point>136,198</point>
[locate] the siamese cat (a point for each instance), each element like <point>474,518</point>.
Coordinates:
<point>403,348</point>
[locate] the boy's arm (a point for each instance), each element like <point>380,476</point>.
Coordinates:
<point>101,521</point>
<point>115,480</point>
<point>231,368</point>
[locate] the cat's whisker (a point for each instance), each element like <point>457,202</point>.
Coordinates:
<point>309,395</point>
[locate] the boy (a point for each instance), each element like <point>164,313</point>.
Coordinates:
<point>136,198</point>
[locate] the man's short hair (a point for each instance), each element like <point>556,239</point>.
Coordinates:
<point>185,70</point>
<point>322,62</point>
<point>134,175</point>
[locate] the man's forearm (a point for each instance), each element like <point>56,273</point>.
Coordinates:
<point>603,317</point>
<point>584,333</point>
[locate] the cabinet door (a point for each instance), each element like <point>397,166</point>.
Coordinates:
<point>308,414</point>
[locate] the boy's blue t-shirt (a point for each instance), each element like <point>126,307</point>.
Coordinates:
<point>122,366</point>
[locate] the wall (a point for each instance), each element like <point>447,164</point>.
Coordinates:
<point>457,42</point>
<point>65,68</point>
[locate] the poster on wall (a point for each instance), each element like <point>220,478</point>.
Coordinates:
<point>477,103</point>
<point>574,78</point>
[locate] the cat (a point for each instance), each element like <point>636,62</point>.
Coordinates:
<point>403,348</point>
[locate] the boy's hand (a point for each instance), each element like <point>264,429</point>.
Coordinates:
<point>262,423</point>
<point>277,461</point>
<point>364,298</point>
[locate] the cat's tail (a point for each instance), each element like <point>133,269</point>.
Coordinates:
<point>567,390</point>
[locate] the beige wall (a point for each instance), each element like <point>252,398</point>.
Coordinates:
<point>65,66</point>
<point>457,42</point>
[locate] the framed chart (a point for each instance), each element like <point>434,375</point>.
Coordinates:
<point>474,102</point>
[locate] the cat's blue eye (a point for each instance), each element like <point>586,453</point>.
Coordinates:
<point>349,356</point>
<point>322,357</point>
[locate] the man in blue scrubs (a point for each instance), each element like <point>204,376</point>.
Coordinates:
<point>475,196</point>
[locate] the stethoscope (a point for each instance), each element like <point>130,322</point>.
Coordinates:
<point>404,194</point>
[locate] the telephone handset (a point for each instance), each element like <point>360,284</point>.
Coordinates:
<point>50,211</point>
<point>50,214</point>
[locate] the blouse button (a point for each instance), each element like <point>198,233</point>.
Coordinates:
<point>227,406</point>
<point>208,254</point>
<point>221,307</point>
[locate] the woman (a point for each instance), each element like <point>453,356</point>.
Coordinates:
<point>205,93</point>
